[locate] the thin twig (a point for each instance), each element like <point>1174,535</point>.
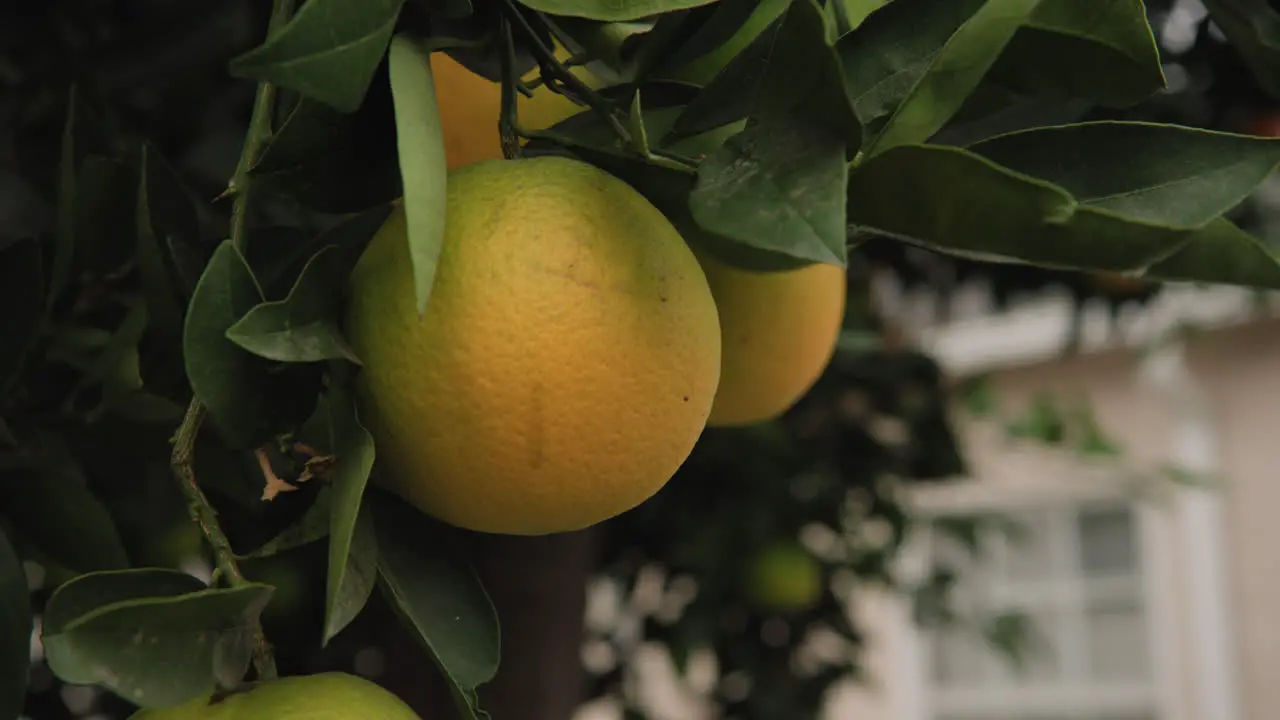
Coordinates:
<point>508,121</point>
<point>182,460</point>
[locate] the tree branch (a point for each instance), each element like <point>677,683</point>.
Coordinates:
<point>182,460</point>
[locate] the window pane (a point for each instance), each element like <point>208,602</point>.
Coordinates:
<point>1029,547</point>
<point>1107,542</point>
<point>958,656</point>
<point>1117,642</point>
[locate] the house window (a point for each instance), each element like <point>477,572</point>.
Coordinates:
<point>1064,582</point>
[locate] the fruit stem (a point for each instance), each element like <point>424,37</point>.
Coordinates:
<point>507,119</point>
<point>182,461</point>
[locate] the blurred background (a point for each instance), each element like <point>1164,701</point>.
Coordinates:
<point>1015,495</point>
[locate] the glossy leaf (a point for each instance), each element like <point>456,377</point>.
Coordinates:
<point>420,139</point>
<point>611,10</point>
<point>232,383</point>
<point>914,62</point>
<point>312,526</point>
<point>1160,174</point>
<point>278,265</point>
<point>15,631</point>
<point>1253,27</point>
<point>778,186</point>
<point>1100,51</point>
<point>155,637</point>
<point>164,213</point>
<point>1220,252</point>
<point>328,51</point>
<point>22,295</point>
<point>437,595</point>
<point>731,27</point>
<point>732,93</point>
<point>304,326</point>
<point>44,497</point>
<point>353,554</point>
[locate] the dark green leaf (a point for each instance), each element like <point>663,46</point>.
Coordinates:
<point>731,27</point>
<point>106,210</point>
<point>312,526</point>
<point>6,435</point>
<point>279,264</point>
<point>1100,51</point>
<point>912,63</point>
<point>1253,27</point>
<point>420,139</point>
<point>733,91</point>
<point>328,51</point>
<point>232,383</point>
<point>151,636</point>
<point>22,298</point>
<point>165,214</point>
<point>437,595</point>
<point>303,327</point>
<point>611,10</point>
<point>1220,252</point>
<point>352,546</point>
<point>15,631</point>
<point>49,494</point>
<point>64,247</point>
<point>778,186</point>
<point>1160,174</point>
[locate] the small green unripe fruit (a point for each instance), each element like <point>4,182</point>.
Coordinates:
<point>324,696</point>
<point>784,577</point>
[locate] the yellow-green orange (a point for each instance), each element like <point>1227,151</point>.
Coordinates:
<point>784,577</point>
<point>779,331</point>
<point>470,105</point>
<point>324,696</point>
<point>566,362</point>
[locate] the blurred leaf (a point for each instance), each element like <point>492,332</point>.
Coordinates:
<point>15,631</point>
<point>304,326</point>
<point>1101,51</point>
<point>912,63</point>
<point>1221,252</point>
<point>6,435</point>
<point>437,595</point>
<point>959,203</point>
<point>1043,421</point>
<point>1160,174</point>
<point>611,10</point>
<point>312,526</point>
<point>1253,27</point>
<point>155,637</point>
<point>1092,440</point>
<point>778,186</point>
<point>233,384</point>
<point>353,553</point>
<point>22,297</point>
<point>420,139</point>
<point>65,226</point>
<point>105,216</point>
<point>45,497</point>
<point>328,51</point>
<point>165,213</point>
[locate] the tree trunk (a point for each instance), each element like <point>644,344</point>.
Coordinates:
<point>538,586</point>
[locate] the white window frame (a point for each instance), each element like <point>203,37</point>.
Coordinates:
<point>1181,534</point>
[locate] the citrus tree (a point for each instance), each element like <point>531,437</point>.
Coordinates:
<point>508,293</point>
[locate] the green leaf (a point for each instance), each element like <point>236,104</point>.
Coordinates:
<point>733,91</point>
<point>6,435</point>
<point>328,51</point>
<point>1101,51</point>
<point>731,27</point>
<point>1253,27</point>
<point>44,497</point>
<point>312,526</point>
<point>15,631</point>
<point>64,242</point>
<point>278,265</point>
<point>420,140</point>
<point>611,10</point>
<point>437,595</point>
<point>353,554</point>
<point>1160,174</point>
<point>779,186</point>
<point>912,63</point>
<point>304,326</point>
<point>105,215</point>
<point>1220,252</point>
<point>165,211</point>
<point>233,384</point>
<point>22,297</point>
<point>157,638</point>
